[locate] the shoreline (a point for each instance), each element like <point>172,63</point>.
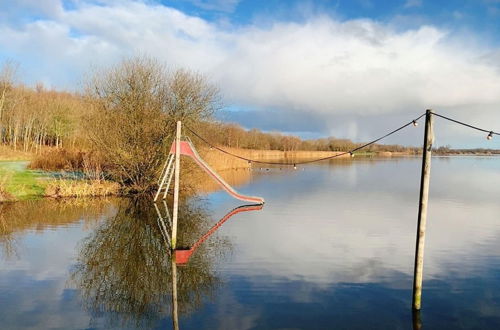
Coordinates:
<point>18,183</point>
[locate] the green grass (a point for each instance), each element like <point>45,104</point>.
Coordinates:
<point>20,182</point>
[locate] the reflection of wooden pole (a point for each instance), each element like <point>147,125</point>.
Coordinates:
<point>422,210</point>
<point>417,321</point>
<point>175,311</point>
<point>177,169</point>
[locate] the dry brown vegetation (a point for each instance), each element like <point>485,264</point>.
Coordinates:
<point>275,155</point>
<point>7,153</point>
<point>221,162</point>
<point>57,159</point>
<point>81,188</point>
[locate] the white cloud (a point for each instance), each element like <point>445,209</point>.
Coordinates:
<point>51,8</point>
<point>323,65</point>
<point>413,3</point>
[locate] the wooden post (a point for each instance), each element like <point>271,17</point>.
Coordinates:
<point>422,210</point>
<point>177,169</point>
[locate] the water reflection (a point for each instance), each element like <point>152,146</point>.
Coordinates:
<point>417,320</point>
<point>40,215</point>
<point>123,267</point>
<point>333,248</point>
<point>125,271</point>
<point>181,255</point>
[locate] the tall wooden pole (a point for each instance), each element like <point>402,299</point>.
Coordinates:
<point>422,210</point>
<point>176,184</point>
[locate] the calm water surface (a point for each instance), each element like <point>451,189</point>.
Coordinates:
<point>332,248</point>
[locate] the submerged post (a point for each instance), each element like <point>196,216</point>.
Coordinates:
<point>422,210</point>
<point>177,174</point>
<point>175,308</point>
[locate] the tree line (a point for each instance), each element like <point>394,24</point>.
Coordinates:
<point>234,136</point>
<point>31,118</point>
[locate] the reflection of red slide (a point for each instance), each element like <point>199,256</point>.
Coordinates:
<point>182,256</point>
<point>188,149</point>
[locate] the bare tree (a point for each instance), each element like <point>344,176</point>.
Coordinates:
<point>134,107</point>
<point>7,76</point>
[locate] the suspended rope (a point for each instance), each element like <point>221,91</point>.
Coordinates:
<point>350,152</point>
<point>490,133</point>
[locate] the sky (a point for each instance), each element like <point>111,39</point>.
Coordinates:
<point>352,69</point>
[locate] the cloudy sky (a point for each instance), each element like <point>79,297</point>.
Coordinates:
<point>314,68</point>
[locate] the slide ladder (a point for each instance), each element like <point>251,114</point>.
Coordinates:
<point>187,149</point>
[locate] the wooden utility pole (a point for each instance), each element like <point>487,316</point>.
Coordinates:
<point>177,174</point>
<point>422,210</point>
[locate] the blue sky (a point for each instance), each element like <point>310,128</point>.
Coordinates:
<point>314,68</point>
<point>477,15</point>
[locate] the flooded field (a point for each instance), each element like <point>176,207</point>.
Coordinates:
<point>332,248</point>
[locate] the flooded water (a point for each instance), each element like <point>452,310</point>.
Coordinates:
<point>332,248</point>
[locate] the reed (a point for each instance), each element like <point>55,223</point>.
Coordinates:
<point>220,161</point>
<point>81,188</point>
<point>197,181</point>
<point>285,156</point>
<point>54,159</point>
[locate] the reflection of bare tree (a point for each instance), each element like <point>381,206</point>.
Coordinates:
<point>124,267</point>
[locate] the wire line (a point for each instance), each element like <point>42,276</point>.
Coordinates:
<point>307,161</point>
<point>465,124</point>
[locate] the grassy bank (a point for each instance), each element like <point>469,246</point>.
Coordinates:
<point>17,183</point>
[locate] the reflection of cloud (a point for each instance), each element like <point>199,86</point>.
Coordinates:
<point>44,257</point>
<point>231,314</point>
<point>335,230</point>
<point>48,304</point>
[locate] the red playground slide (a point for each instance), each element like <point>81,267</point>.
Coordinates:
<point>188,149</point>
